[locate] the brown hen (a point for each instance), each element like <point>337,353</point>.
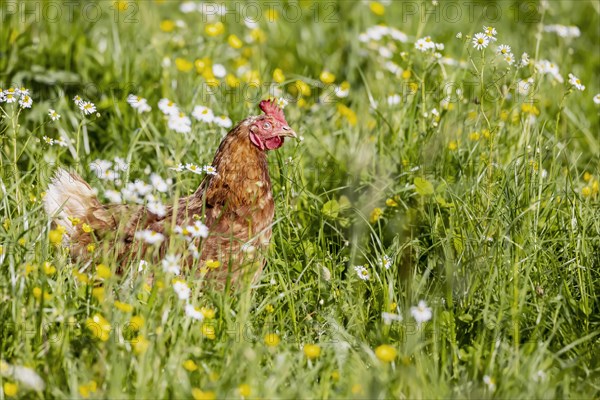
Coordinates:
<point>236,205</point>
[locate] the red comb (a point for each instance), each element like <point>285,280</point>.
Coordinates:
<point>271,109</point>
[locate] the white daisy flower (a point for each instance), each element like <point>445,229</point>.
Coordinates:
<point>490,32</point>
<point>182,289</point>
<point>113,196</point>
<point>54,116</point>
<point>142,265</point>
<point>203,114</point>
<point>223,121</point>
<point>10,97</point>
<point>198,230</point>
<point>170,264</point>
<point>48,140</point>
<point>180,167</point>
<point>180,123</point>
<point>78,100</point>
<point>503,49</point>
<point>168,107</point>
<point>281,102</point>
<point>87,107</point>
<point>193,312</point>
<point>524,86</point>
<point>394,99</point>
<point>138,103</point>
<point>159,183</point>
<point>194,168</point>
<point>575,81</point>
<point>149,236</point>
<point>489,382</point>
<point>421,313</point>
<point>524,59</point>
<point>509,58</point>
<point>100,167</point>
<point>209,170</point>
<point>459,35</point>
<point>25,101</point>
<point>157,208</point>
<point>22,91</point>
<point>388,318</point>
<point>385,262</point>
<point>546,67</point>
<point>480,41</point>
<point>597,99</point>
<point>362,272</point>
<point>219,70</point>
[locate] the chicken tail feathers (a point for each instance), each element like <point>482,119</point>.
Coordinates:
<point>69,197</point>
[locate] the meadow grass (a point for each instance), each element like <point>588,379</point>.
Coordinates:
<point>481,203</point>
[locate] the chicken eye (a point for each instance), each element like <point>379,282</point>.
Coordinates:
<point>267,125</point>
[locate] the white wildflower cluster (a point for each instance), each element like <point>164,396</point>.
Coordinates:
<point>378,32</point>
<point>86,107</point>
<point>388,318</point>
<point>504,51</point>
<point>16,95</point>
<point>138,103</point>
<point>196,169</point>
<point>171,265</point>
<point>563,31</point>
<point>180,122</point>
<point>109,170</point>
<point>545,67</point>
<point>481,40</point>
<point>427,44</point>
<point>52,142</point>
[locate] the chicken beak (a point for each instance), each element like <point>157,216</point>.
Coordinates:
<point>286,131</point>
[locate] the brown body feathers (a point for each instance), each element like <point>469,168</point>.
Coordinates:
<point>236,205</point>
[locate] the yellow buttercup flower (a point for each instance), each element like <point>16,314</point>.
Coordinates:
<point>10,389</point>
<point>386,353</point>
<point>272,339</point>
<point>198,394</point>
<point>208,313</point>
<point>235,41</point>
<point>86,228</point>
<point>140,344</point>
<point>136,322</point>
<point>183,65</point>
<point>98,293</point>
<point>278,75</point>
<point>87,389</point>
<point>244,390</point>
<point>99,327</point>
<point>123,306</point>
<point>167,25</point>
<point>375,215</point>
<point>312,351</point>
<point>215,29</point>
<point>103,271</point>
<point>55,236</point>
<point>190,365</point>
<point>48,268</point>
<point>208,331</point>
<point>327,77</point>
<point>212,264</point>
<point>377,8</point>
